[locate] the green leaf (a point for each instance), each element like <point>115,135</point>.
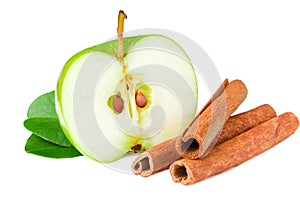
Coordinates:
<point>43,106</point>
<point>48,129</point>
<point>41,147</point>
<point>43,120</point>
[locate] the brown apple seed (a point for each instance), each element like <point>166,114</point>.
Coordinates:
<point>140,99</point>
<point>118,103</point>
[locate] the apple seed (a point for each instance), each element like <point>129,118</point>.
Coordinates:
<point>118,103</point>
<point>140,99</point>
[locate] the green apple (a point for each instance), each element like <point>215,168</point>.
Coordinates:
<point>109,105</point>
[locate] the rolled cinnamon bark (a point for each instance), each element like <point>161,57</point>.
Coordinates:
<point>236,150</point>
<point>161,156</point>
<point>202,135</point>
<point>155,159</point>
<point>242,122</point>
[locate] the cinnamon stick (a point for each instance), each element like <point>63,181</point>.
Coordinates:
<point>161,156</point>
<point>236,150</point>
<point>242,122</point>
<point>202,135</point>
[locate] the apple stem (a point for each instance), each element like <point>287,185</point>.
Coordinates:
<point>120,29</point>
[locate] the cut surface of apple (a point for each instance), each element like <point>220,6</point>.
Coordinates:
<point>107,110</point>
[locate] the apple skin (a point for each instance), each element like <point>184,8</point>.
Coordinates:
<point>122,143</point>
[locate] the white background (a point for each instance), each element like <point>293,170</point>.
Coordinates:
<point>255,41</point>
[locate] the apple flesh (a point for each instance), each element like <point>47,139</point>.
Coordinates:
<point>107,110</point>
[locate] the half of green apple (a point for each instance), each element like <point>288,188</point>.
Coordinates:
<point>107,110</point>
